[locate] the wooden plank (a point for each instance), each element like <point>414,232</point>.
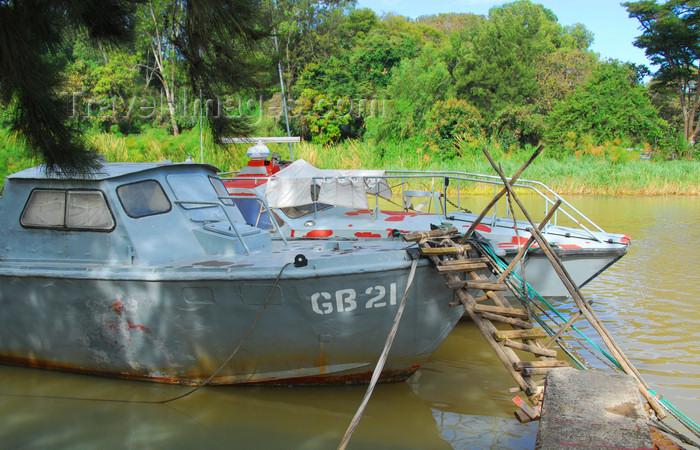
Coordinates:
<point>520,365</point>
<point>456,250</point>
<point>530,348</point>
<point>483,285</point>
<point>500,194</point>
<point>449,262</point>
<point>536,371</point>
<point>509,312</point>
<point>509,320</point>
<point>535,333</point>
<point>529,242</point>
<point>505,354</point>
<point>462,267</point>
<point>431,234</point>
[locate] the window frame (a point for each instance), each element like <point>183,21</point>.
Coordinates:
<point>64,227</point>
<point>126,211</point>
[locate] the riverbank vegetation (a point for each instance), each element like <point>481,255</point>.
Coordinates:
<point>611,170</point>
<point>367,91</point>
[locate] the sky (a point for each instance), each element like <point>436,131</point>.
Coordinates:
<point>613,30</point>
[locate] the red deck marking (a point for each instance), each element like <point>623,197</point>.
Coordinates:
<point>626,239</point>
<point>479,227</point>
<point>367,234</point>
<point>357,213</point>
<point>568,246</point>
<point>319,233</point>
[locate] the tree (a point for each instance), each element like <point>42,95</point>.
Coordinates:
<point>305,29</point>
<point>31,35</point>
<point>217,42</point>
<point>671,39</point>
<point>159,28</point>
<point>416,85</point>
<point>610,105</point>
<point>497,62</point>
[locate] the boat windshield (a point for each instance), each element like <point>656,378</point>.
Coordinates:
<point>143,198</point>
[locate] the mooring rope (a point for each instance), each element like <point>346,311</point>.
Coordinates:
<point>380,363</point>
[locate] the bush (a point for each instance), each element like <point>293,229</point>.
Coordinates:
<point>325,119</point>
<point>451,124</point>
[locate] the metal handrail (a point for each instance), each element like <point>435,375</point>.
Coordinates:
<point>537,187</point>
<point>223,209</point>
<point>249,192</point>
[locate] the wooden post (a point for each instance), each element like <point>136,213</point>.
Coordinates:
<point>498,196</point>
<point>529,242</point>
<point>578,298</point>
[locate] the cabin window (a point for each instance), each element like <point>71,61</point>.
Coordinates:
<point>144,198</point>
<point>67,209</point>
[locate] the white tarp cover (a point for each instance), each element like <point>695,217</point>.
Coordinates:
<point>291,186</point>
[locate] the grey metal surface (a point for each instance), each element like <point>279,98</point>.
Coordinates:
<point>169,296</point>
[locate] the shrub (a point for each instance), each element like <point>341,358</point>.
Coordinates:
<point>451,123</point>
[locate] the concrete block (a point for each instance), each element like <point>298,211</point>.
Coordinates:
<point>592,410</point>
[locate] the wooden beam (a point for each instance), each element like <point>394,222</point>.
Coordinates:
<point>509,320</point>
<point>535,333</point>
<point>431,234</point>
<point>520,365</point>
<point>465,266</point>
<point>498,196</point>
<point>456,250</point>
<point>510,312</point>
<point>483,285</point>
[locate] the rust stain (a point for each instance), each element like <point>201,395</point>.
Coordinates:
<point>118,308</point>
<point>130,324</point>
<point>213,263</point>
<point>388,376</point>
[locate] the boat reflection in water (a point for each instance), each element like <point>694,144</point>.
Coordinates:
<point>149,271</point>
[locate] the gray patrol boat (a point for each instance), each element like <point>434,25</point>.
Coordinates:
<point>149,271</point>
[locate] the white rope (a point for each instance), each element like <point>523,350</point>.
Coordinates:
<point>380,363</point>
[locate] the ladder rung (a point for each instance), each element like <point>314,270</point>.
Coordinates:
<point>449,262</point>
<point>535,333</point>
<point>484,285</point>
<point>430,234</point>
<point>520,365</point>
<point>456,250</point>
<point>509,312</point>
<point>508,320</point>
<point>536,371</point>
<point>530,348</point>
<point>462,267</point>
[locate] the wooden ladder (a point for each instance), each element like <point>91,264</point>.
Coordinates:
<point>454,261</point>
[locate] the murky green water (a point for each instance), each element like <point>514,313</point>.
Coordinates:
<point>650,300</point>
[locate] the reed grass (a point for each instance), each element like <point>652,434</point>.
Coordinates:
<point>586,174</point>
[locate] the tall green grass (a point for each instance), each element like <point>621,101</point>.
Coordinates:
<point>616,174</point>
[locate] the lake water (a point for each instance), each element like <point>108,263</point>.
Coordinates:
<point>650,300</point>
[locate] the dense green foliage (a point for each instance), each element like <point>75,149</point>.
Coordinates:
<point>437,87</point>
<point>671,39</point>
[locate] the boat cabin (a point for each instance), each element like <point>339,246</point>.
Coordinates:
<point>125,213</point>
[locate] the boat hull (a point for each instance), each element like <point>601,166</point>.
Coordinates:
<point>584,255</point>
<point>327,328</point>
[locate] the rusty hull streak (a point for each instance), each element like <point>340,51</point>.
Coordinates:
<point>387,376</point>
